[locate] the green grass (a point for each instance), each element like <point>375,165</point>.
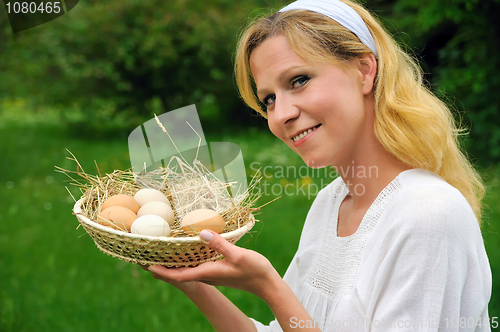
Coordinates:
<point>52,276</point>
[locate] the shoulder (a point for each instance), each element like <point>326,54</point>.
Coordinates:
<point>427,249</point>
<point>427,223</point>
<point>428,195</point>
<point>427,204</point>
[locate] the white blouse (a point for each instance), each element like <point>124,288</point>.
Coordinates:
<point>416,263</point>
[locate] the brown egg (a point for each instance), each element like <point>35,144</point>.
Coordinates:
<point>121,218</point>
<point>198,220</point>
<point>121,200</point>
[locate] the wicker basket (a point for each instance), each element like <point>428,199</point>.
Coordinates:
<point>149,250</point>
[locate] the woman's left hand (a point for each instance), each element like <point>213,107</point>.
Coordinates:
<point>240,269</point>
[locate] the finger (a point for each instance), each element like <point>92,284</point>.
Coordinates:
<point>207,272</point>
<point>144,267</point>
<point>159,272</point>
<point>218,243</point>
<point>180,274</point>
<point>176,275</point>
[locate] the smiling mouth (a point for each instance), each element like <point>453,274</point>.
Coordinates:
<point>304,133</point>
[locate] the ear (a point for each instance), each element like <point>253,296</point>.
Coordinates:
<point>367,66</point>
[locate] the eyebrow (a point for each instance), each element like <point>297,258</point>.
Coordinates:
<point>281,77</point>
<point>262,92</point>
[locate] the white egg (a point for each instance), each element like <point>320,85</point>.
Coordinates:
<point>158,208</point>
<point>150,225</point>
<point>147,195</point>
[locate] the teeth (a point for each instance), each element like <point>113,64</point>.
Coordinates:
<point>301,135</point>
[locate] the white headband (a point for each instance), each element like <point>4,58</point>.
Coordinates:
<point>340,12</point>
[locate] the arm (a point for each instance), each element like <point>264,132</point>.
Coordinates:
<point>241,269</point>
<point>219,310</point>
<point>286,307</point>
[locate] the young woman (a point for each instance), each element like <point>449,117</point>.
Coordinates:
<point>396,247</point>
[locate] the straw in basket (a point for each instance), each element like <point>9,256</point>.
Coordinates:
<point>188,186</point>
<point>187,190</point>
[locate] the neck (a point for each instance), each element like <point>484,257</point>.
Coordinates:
<point>366,177</point>
<point>369,168</point>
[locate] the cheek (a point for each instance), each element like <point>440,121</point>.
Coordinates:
<point>272,127</point>
<point>341,108</point>
<point>279,133</point>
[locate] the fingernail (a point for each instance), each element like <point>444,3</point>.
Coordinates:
<point>151,268</point>
<point>206,236</point>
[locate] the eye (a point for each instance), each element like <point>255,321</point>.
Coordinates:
<point>299,81</point>
<point>269,100</point>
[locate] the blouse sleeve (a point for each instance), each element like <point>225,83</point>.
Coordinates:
<point>429,265</point>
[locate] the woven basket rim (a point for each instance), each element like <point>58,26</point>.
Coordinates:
<point>77,210</point>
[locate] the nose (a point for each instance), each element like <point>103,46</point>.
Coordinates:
<point>285,111</point>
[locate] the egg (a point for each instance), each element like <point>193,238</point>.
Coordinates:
<point>198,220</point>
<point>121,200</point>
<point>158,208</point>
<point>150,224</point>
<point>147,195</point>
<point>120,216</point>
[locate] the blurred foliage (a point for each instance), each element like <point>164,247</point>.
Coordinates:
<point>458,45</point>
<point>110,64</point>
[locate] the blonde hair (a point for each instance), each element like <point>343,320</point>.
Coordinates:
<point>411,123</point>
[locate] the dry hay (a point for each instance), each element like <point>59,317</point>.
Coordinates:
<point>187,187</point>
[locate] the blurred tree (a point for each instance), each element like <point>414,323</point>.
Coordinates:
<point>113,63</point>
<point>458,44</point>
<point>116,62</point>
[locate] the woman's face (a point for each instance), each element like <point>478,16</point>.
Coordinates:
<point>317,109</point>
